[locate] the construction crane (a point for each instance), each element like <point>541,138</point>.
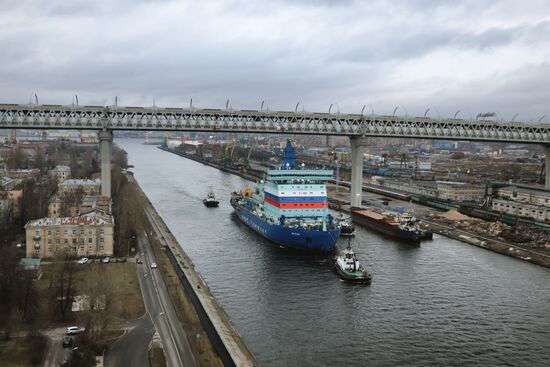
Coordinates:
<point>246,161</point>
<point>228,153</point>
<point>13,137</point>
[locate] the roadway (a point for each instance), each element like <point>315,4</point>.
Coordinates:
<point>161,310</point>
<point>131,349</point>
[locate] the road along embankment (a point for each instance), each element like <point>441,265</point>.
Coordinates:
<point>227,343</point>
<point>489,243</point>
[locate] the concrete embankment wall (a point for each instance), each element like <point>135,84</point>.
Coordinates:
<point>508,249</point>
<point>224,338</point>
<point>251,175</point>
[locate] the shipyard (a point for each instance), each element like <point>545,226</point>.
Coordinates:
<point>274,183</point>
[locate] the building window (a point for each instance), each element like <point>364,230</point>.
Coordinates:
<point>66,232</point>
<point>74,231</point>
<point>90,240</point>
<point>37,233</point>
<point>49,233</point>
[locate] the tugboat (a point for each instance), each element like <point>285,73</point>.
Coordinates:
<point>347,229</point>
<point>210,200</point>
<point>349,269</point>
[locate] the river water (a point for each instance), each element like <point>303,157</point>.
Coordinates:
<point>443,303</point>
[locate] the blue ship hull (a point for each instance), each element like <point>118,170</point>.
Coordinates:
<point>298,238</point>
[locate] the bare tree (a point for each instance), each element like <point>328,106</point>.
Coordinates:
<point>71,200</point>
<point>100,297</point>
<point>16,159</point>
<point>63,281</point>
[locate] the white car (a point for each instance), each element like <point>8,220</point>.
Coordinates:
<point>153,265</point>
<point>84,260</point>
<point>73,330</point>
<point>105,260</point>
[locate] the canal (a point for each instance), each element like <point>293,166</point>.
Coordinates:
<point>443,303</point>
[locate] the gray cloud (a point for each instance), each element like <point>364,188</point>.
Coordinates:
<point>471,55</point>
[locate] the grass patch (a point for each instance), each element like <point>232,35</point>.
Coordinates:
<point>156,357</point>
<point>27,351</point>
<point>118,281</point>
<point>121,282</point>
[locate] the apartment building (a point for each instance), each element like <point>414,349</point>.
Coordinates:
<point>90,234</point>
<point>61,173</point>
<point>90,187</point>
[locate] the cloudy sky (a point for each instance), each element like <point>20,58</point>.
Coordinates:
<point>473,56</point>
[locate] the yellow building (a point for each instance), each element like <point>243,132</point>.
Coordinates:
<point>61,173</point>
<point>87,235</point>
<point>460,191</point>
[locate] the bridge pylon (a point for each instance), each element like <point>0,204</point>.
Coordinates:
<point>547,166</point>
<point>357,152</point>
<point>105,148</point>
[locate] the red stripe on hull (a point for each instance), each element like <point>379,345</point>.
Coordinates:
<point>314,205</point>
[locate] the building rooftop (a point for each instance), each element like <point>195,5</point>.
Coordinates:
<point>81,182</point>
<point>62,168</point>
<point>455,183</point>
<point>30,263</point>
<point>528,189</point>
<point>95,218</point>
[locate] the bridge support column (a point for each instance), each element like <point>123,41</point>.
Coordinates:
<point>105,147</point>
<point>357,151</point>
<point>547,167</point>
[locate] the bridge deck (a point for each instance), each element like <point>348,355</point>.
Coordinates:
<point>13,116</point>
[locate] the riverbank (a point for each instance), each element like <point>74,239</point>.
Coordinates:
<point>504,248</point>
<point>251,175</point>
<point>196,305</point>
<point>430,223</point>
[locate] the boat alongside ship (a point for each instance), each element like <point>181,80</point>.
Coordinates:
<point>402,226</point>
<point>347,229</point>
<point>290,207</point>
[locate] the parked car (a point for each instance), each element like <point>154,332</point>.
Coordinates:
<point>73,330</point>
<point>139,261</point>
<point>112,260</point>
<point>89,261</point>
<point>67,342</point>
<point>19,245</point>
<point>105,260</point>
<point>121,259</point>
<point>153,265</point>
<point>84,260</point>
